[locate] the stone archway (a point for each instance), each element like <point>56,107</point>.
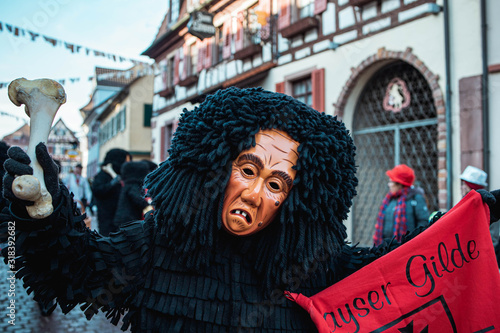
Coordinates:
<point>365,207</point>
<point>431,78</point>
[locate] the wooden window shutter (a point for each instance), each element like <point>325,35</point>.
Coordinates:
<point>186,62</point>
<point>200,45</point>
<point>280,87</point>
<point>226,49</point>
<point>164,73</point>
<point>208,52</point>
<point>284,16</point>
<point>163,148</point>
<point>318,89</point>
<point>148,113</point>
<point>177,59</point>
<point>239,33</point>
<point>320,6</point>
<point>174,126</point>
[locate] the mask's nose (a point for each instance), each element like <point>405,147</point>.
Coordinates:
<point>252,195</point>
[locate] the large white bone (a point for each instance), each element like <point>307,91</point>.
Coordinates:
<point>42,98</point>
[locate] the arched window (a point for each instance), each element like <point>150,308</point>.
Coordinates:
<point>395,122</point>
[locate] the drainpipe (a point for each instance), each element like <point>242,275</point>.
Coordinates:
<point>449,173</point>
<point>484,92</point>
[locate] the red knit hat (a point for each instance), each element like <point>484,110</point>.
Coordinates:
<point>402,174</point>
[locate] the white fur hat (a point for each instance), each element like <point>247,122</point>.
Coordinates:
<point>474,175</point>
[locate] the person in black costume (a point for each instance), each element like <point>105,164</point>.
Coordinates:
<point>106,188</point>
<point>237,220</point>
<point>132,202</point>
<point>152,165</point>
<point>3,157</point>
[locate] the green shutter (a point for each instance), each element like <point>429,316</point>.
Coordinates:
<point>148,113</point>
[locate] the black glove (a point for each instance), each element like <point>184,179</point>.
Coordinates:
<point>492,199</point>
<point>18,165</point>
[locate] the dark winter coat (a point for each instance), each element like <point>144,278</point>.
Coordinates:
<point>417,213</point>
<point>106,190</point>
<point>131,202</point>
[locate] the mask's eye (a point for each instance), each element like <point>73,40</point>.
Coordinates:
<point>274,186</point>
<point>248,172</point>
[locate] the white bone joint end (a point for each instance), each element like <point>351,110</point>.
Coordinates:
<point>42,98</point>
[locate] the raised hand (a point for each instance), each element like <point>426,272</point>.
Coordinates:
<point>108,168</point>
<point>19,165</point>
<point>492,199</point>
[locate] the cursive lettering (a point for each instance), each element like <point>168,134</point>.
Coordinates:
<point>418,265</point>
<point>341,317</point>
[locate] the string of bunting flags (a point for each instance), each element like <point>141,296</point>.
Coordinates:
<point>126,74</point>
<point>74,48</point>
<point>61,81</point>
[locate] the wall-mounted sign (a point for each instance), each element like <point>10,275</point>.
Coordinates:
<point>201,25</point>
<point>72,153</point>
<point>397,96</point>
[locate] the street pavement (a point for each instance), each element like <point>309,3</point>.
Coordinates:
<point>28,318</point>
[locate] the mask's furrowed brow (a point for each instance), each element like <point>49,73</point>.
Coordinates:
<point>288,180</point>
<point>250,157</point>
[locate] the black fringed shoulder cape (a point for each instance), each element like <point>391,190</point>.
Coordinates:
<point>132,273</point>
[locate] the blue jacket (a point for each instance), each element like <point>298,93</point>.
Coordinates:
<point>417,213</point>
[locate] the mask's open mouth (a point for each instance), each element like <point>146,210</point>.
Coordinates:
<point>243,214</point>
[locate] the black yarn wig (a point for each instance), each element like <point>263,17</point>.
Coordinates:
<point>188,188</point>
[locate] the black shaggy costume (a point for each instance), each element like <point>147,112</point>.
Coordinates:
<point>106,190</point>
<point>132,201</point>
<point>3,157</point>
<point>179,271</point>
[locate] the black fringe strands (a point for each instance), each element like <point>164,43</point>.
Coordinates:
<point>188,188</point>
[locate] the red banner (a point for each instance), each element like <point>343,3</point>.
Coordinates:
<point>444,280</point>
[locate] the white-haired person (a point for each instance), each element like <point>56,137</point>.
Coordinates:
<point>475,179</point>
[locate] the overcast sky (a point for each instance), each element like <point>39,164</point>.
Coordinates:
<point>121,27</point>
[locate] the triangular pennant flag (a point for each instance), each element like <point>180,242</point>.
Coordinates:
<point>9,27</point>
<point>50,40</point>
<point>1,28</point>
<point>70,46</point>
<point>33,35</point>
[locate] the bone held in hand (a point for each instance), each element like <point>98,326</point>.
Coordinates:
<point>42,98</point>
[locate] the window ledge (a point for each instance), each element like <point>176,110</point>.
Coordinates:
<point>248,51</point>
<point>166,92</point>
<point>299,27</point>
<point>188,81</point>
<point>359,3</point>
